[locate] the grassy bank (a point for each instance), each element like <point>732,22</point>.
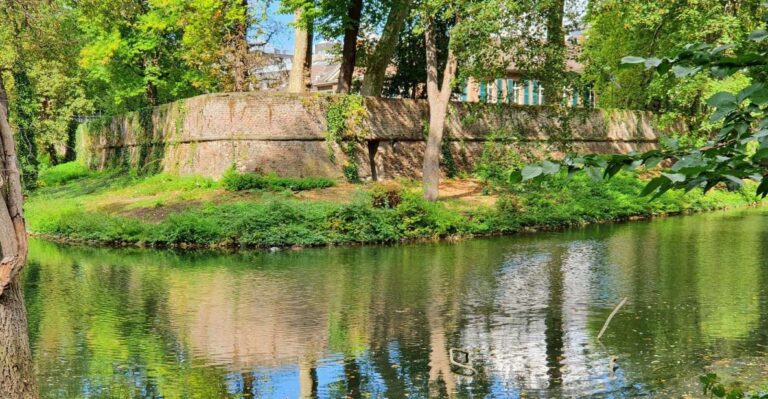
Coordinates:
<point>162,210</point>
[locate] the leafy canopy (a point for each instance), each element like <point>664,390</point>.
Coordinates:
<point>735,152</point>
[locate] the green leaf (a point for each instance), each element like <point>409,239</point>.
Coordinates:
<point>720,49</point>
<point>723,99</point>
<point>652,63</point>
<point>652,162</point>
<point>550,168</point>
<point>632,60</point>
<point>734,179</point>
<point>735,393</point>
<point>759,97</point>
<point>663,188</point>
<point>749,90</point>
<point>613,169</point>
<point>760,154</point>
<point>515,177</point>
<point>652,186</point>
<point>595,173</point>
<point>718,390</point>
<point>758,35</point>
<point>674,177</point>
<point>681,71</point>
<point>531,171</point>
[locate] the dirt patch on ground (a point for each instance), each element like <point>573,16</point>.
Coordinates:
<point>340,193</point>
<point>466,191</point>
<point>458,194</point>
<point>159,213</point>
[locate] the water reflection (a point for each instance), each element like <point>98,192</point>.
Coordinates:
<point>378,322</point>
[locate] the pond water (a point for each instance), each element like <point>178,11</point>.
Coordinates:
<point>379,321</point>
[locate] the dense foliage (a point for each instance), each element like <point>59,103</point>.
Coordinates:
<point>234,181</point>
<point>175,211</point>
<point>736,151</point>
<point>660,28</point>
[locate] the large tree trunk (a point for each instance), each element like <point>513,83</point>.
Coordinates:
<point>555,64</point>
<point>439,97</point>
<point>17,377</point>
<point>240,66</point>
<point>349,48</point>
<point>376,69</point>
<point>300,79</point>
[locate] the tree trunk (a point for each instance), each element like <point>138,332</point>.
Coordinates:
<point>349,48</point>
<point>431,170</point>
<point>300,79</point>
<point>240,67</point>
<point>555,64</point>
<point>17,377</point>
<point>70,152</point>
<point>439,97</point>
<point>151,92</point>
<point>376,69</point>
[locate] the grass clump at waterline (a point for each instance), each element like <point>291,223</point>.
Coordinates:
<point>164,210</point>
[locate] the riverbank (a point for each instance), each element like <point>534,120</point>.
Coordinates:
<point>115,208</point>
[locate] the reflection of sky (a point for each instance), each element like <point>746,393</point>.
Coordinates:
<point>105,319</point>
<point>515,341</point>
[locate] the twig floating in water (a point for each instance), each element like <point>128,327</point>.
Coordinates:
<point>615,310</point>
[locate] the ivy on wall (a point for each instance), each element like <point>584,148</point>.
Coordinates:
<point>345,119</point>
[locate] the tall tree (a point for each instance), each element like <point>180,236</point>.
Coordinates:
<point>17,377</point>
<point>439,95</point>
<point>475,45</point>
<point>379,60</point>
<point>349,45</point>
<point>133,53</point>
<point>555,51</point>
<point>240,52</point>
<point>300,79</point>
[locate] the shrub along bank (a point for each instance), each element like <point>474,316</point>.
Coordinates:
<point>163,210</point>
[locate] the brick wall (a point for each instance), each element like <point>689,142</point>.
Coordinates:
<point>285,134</point>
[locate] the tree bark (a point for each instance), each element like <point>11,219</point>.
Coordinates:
<point>553,93</point>
<point>70,152</point>
<point>439,97</point>
<point>300,79</point>
<point>376,69</point>
<point>349,48</point>
<point>17,377</point>
<point>240,67</point>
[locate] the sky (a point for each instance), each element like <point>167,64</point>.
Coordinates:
<point>283,40</point>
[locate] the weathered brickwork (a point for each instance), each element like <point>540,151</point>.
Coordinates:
<point>285,134</point>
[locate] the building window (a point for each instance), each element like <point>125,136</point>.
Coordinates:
<point>535,92</point>
<point>511,91</point>
<point>575,98</point>
<point>465,92</point>
<point>588,97</point>
<point>499,91</point>
<point>526,92</point>
<point>483,92</point>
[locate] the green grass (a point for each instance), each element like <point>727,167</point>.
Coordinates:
<point>82,210</point>
<point>235,181</point>
<point>62,173</point>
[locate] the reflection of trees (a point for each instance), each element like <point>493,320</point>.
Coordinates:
<point>345,322</point>
<point>692,284</point>
<point>554,318</point>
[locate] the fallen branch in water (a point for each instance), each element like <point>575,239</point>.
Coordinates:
<point>615,310</point>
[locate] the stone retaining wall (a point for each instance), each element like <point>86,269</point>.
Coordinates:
<point>285,134</point>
